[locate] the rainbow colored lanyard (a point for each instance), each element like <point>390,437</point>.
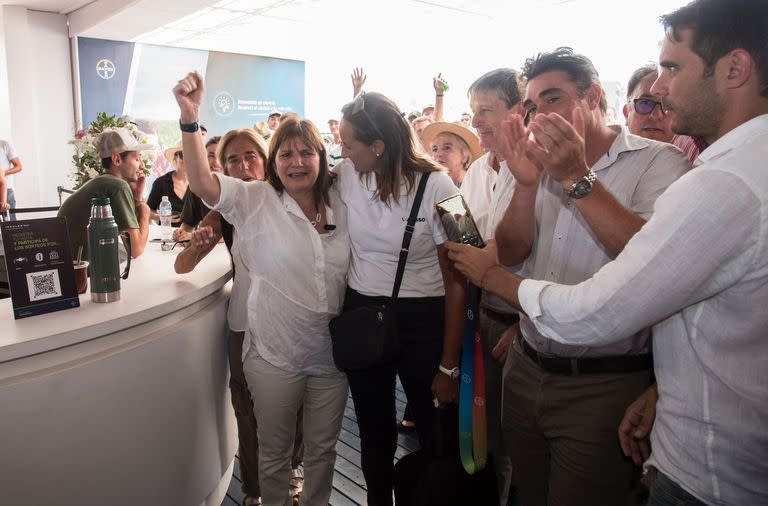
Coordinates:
<point>473,432</point>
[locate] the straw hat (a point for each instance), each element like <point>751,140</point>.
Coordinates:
<point>263,129</point>
<point>435,129</point>
<point>168,153</point>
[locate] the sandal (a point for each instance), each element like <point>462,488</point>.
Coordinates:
<point>296,485</point>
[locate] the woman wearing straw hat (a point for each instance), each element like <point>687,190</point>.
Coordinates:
<point>172,184</point>
<point>453,146</point>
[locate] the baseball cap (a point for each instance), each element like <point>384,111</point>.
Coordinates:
<point>275,113</point>
<point>118,141</point>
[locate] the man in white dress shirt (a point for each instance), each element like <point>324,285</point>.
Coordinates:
<point>487,188</point>
<point>698,269</point>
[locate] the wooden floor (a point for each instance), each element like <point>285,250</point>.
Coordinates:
<point>348,482</point>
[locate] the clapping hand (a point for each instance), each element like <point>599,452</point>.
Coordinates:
<point>516,139</point>
<point>559,146</point>
<point>189,95</point>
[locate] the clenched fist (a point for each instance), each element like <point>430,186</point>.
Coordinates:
<point>189,95</point>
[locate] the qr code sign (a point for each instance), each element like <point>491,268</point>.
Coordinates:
<point>43,285</point>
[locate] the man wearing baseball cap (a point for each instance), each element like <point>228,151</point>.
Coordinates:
<point>273,120</point>
<point>122,181</point>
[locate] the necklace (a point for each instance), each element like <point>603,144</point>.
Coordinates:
<point>317,220</point>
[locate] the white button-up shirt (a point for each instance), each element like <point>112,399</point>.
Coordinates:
<point>490,193</point>
<point>297,275</point>
<point>565,249</point>
<point>699,268</point>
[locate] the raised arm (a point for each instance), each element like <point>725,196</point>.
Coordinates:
<point>441,86</point>
<point>189,95</point>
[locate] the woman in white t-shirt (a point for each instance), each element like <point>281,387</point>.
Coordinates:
<point>378,182</point>
<point>294,244</point>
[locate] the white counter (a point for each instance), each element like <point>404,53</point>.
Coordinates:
<point>121,403</point>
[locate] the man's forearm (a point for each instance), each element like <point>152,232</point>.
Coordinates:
<point>503,284</point>
<point>15,167</point>
<point>613,224</point>
<point>514,233</point>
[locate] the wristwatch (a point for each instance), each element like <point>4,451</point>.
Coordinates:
<point>451,373</point>
<point>583,186</point>
<point>189,127</point>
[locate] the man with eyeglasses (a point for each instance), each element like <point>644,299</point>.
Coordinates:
<point>647,118</point>
<point>697,270</point>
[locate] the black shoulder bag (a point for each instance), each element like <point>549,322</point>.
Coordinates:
<point>367,335</point>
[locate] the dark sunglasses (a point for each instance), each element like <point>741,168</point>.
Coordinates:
<point>358,106</point>
<point>646,106</point>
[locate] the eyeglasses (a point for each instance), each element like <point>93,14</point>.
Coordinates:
<point>170,245</point>
<point>358,106</point>
<point>646,106</point>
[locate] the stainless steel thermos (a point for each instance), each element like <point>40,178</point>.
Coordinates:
<point>103,237</point>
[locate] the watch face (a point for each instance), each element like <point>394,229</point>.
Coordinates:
<point>581,189</point>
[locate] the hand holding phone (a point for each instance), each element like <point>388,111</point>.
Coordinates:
<point>458,222</point>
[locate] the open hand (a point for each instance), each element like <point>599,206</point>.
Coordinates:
<point>524,171</point>
<point>358,80</point>
<point>189,95</point>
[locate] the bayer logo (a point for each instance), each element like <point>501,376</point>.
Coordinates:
<point>223,104</point>
<point>105,69</point>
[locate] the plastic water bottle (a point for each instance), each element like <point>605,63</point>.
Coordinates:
<point>165,211</point>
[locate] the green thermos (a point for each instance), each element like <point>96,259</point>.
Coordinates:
<point>103,238</point>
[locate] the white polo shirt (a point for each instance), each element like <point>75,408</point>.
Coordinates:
<point>297,276</point>
<point>376,232</point>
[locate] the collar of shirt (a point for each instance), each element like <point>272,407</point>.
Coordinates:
<point>623,142</point>
<point>292,207</point>
<point>742,134</point>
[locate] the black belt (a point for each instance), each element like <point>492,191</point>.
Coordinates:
<point>589,365</point>
<point>505,318</point>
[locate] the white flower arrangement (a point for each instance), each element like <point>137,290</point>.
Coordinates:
<point>86,159</point>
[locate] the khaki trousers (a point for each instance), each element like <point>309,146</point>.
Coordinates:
<point>561,433</point>
<point>248,444</point>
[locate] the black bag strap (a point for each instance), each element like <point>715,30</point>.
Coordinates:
<point>409,227</point>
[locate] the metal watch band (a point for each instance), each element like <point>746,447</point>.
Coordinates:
<point>189,127</point>
<point>590,177</point>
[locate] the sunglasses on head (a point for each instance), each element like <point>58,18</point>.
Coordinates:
<point>646,106</point>
<point>358,106</point>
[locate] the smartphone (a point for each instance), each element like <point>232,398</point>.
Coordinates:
<point>458,222</point>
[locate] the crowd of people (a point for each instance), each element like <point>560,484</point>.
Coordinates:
<point>622,279</point>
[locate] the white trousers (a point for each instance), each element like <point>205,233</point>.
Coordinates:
<point>277,397</point>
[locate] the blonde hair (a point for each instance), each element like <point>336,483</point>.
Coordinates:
<point>247,134</point>
<point>460,143</point>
